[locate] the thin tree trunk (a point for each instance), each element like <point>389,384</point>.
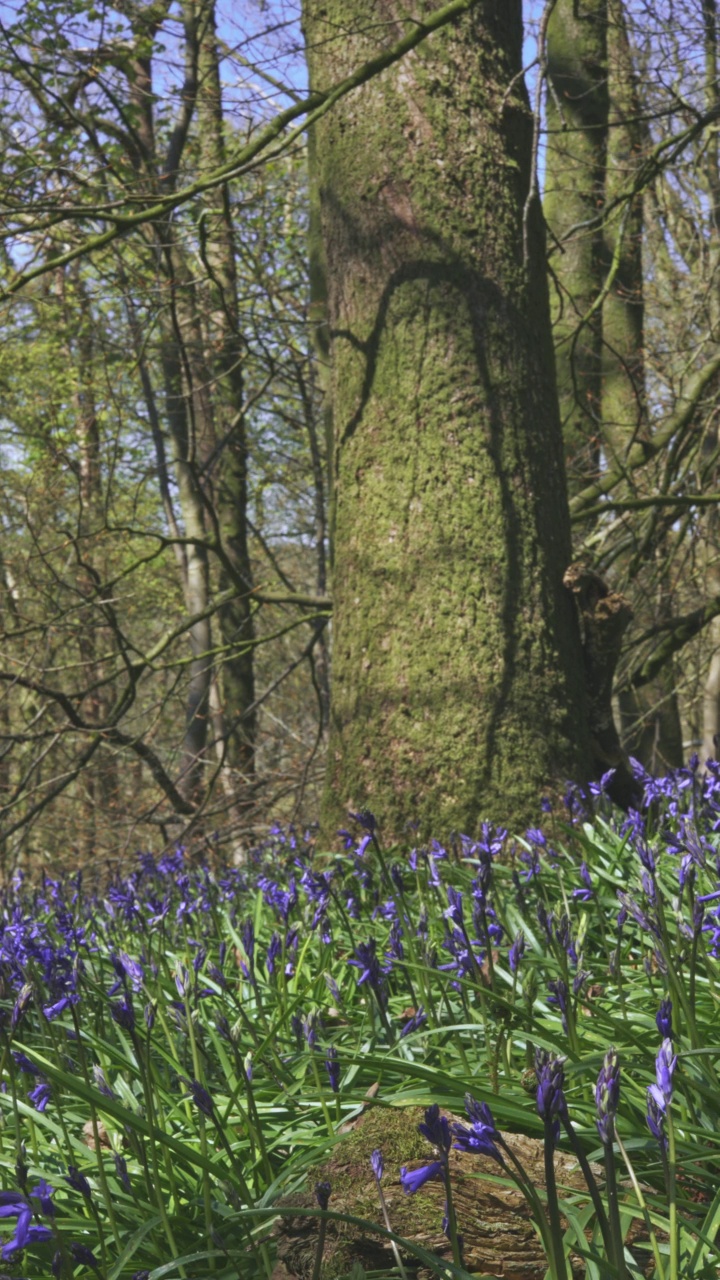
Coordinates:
<point>229,468</point>
<point>457,667</point>
<point>650,716</point>
<point>577,122</point>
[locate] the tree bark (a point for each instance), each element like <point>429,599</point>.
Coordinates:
<point>650,716</point>
<point>577,123</point>
<point>457,668</point>
<point>229,469</point>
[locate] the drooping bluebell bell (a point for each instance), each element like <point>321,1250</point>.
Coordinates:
<point>607,1096</point>
<point>365,819</point>
<point>40,1095</point>
<point>413,1179</point>
<point>586,893</point>
<point>78,1181</point>
<point>377,1163</point>
<point>454,909</point>
<point>516,952</point>
<point>663,1019</point>
<point>481,1138</point>
<point>414,1023</point>
<point>123,1013</point>
<point>201,1098</point>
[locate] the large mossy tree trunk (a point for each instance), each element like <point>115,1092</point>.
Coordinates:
<point>457,666</point>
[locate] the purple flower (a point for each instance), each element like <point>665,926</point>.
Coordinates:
<point>551,1105</point>
<point>607,1096</point>
<point>78,1181</point>
<point>273,951</point>
<point>516,952</point>
<point>123,1013</point>
<point>122,1171</point>
<point>418,1019</point>
<point>413,1180</point>
<point>201,1098</point>
<point>323,1191</point>
<point>454,910</point>
<point>14,1205</point>
<point>663,1019</point>
<point>436,1129</point>
<point>559,997</point>
<point>480,1138</point>
<point>40,1095</point>
<point>365,819</point>
<point>665,1064</point>
<point>378,1164</point>
<point>332,1066</point>
<point>82,1256</point>
<point>656,1118</point>
<point>586,893</point>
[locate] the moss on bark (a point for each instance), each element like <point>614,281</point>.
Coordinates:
<point>457,675</point>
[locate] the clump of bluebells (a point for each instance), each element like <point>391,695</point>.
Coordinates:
<point>179,1046</point>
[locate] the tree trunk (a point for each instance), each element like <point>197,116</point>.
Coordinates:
<point>650,716</point>
<point>577,120</point>
<point>230,463</point>
<point>457,668</point>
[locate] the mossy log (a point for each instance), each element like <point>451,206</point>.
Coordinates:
<point>499,1237</point>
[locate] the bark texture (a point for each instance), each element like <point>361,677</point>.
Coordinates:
<point>457,668</point>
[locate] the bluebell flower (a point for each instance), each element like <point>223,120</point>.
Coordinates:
<point>78,1181</point>
<point>516,952</point>
<point>365,819</point>
<point>665,1064</point>
<point>663,1019</point>
<point>40,1096</point>
<point>82,1256</point>
<point>273,951</point>
<point>323,1191</point>
<point>586,893</point>
<point>436,1129</point>
<point>655,1118</point>
<point>413,1179</point>
<point>123,1013</point>
<point>454,910</point>
<point>551,1105</point>
<point>201,1098</point>
<point>15,1205</point>
<point>418,1020</point>
<point>607,1096</point>
<point>480,1139</point>
<point>332,1066</point>
<point>377,1163</point>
